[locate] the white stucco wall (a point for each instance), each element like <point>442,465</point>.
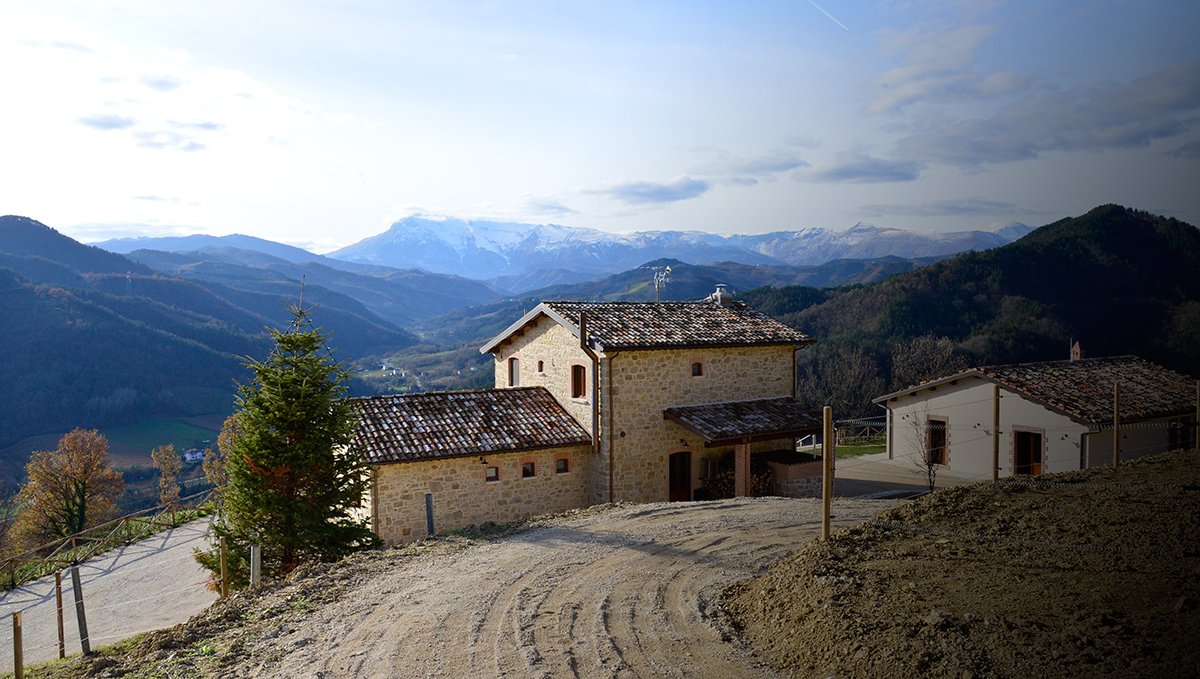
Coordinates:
<point>967,409</point>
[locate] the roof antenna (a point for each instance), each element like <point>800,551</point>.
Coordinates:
<point>661,277</point>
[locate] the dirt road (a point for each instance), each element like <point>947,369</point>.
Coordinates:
<point>625,592</point>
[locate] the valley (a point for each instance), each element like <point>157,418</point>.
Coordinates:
<point>115,341</point>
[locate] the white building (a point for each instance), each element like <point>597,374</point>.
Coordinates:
<point>1054,416</point>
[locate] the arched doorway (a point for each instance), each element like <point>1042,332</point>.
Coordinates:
<point>680,470</point>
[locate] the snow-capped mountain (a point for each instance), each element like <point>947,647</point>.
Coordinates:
<point>485,249</point>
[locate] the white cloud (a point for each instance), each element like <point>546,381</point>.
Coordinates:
<point>653,193</point>
<point>1090,118</point>
<point>938,67</point>
<point>855,168</point>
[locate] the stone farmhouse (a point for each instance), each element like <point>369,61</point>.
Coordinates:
<point>594,402</point>
<point>1053,416</point>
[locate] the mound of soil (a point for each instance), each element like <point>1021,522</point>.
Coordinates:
<point>1094,573</point>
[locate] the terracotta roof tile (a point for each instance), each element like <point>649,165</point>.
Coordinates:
<point>616,326</point>
<point>434,425</point>
<point>759,419</point>
<point>1083,389</point>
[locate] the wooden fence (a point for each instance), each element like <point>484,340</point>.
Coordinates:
<point>73,549</point>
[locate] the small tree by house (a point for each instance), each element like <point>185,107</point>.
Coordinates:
<point>927,445</point>
<point>169,465</point>
<point>292,482</point>
<point>69,489</point>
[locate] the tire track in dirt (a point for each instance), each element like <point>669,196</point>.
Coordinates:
<point>625,593</point>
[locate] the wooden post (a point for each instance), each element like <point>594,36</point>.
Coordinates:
<point>429,513</point>
<point>84,643</point>
<point>995,432</point>
<point>18,651</point>
<point>741,470</point>
<point>1116,423</point>
<point>224,572</point>
<point>827,453</point>
<point>1196,434</point>
<point>62,637</point>
<point>255,564</point>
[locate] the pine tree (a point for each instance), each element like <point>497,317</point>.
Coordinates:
<point>293,480</point>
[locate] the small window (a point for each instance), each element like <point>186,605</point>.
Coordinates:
<point>541,366</point>
<point>514,372</point>
<point>937,442</point>
<point>562,465</point>
<point>697,369</point>
<point>491,474</point>
<point>578,381</point>
<point>527,471</point>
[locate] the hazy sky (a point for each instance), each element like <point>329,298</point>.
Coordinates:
<point>320,123</point>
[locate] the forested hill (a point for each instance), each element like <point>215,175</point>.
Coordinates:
<point>92,338</point>
<point>1117,280</point>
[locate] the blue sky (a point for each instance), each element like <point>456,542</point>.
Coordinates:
<point>320,123</point>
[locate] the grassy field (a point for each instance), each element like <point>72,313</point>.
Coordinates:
<point>158,431</point>
<point>853,450</point>
<point>868,448</point>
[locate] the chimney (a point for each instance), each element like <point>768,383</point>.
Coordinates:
<point>1076,352</point>
<point>721,296</point>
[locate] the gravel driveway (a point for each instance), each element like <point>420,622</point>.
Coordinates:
<point>148,585</point>
<point>623,593</point>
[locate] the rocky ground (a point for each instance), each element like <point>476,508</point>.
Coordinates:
<point>1086,574</point>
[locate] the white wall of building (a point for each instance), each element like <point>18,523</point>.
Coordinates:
<point>966,407</point>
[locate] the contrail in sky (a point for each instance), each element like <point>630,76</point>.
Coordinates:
<point>827,14</point>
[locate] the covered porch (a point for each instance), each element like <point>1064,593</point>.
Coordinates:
<point>742,423</point>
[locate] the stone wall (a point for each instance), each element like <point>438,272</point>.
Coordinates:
<point>462,496</point>
<point>635,387</point>
<point>557,350</point>
<point>808,487</point>
<point>798,480</point>
<point>643,383</point>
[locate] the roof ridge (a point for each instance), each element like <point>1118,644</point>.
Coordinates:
<point>1094,359</point>
<point>448,392</point>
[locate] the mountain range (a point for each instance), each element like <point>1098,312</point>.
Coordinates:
<point>99,337</point>
<point>521,257</point>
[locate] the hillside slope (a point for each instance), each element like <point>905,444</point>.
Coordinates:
<point>400,297</point>
<point>1093,576</point>
<point>1117,280</point>
<point>71,361</point>
<point>96,339</point>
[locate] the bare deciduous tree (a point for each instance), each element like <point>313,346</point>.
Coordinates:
<point>926,445</point>
<point>169,465</point>
<point>924,358</point>
<point>845,379</point>
<point>69,489</point>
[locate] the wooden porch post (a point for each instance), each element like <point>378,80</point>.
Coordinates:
<point>828,451</point>
<point>741,470</point>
